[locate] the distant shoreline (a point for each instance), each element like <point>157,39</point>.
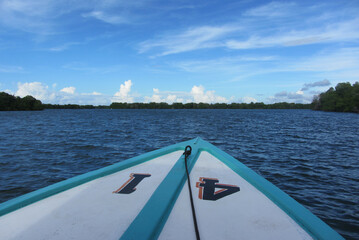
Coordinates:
<point>344,98</point>
<point>152,105</point>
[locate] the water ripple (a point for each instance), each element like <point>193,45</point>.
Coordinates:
<point>312,156</point>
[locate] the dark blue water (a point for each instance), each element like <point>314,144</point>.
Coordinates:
<point>312,156</point>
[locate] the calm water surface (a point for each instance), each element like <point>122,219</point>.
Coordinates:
<point>312,156</point>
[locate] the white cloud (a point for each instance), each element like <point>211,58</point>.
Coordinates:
<point>35,89</point>
<point>334,64</point>
<point>8,91</point>
<point>168,97</point>
<point>299,92</point>
<point>29,16</point>
<point>300,27</point>
<point>233,64</point>
<point>154,98</point>
<point>172,98</point>
<point>272,9</point>
<point>199,95</point>
<point>67,95</point>
<point>44,17</point>
<point>69,90</point>
<point>106,17</point>
<point>191,39</point>
<point>92,94</point>
<point>79,66</point>
<point>334,32</point>
<point>340,59</point>
<point>123,95</point>
<point>10,69</point>
<point>248,100</point>
<point>63,47</point>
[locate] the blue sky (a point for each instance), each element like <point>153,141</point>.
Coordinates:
<point>97,52</point>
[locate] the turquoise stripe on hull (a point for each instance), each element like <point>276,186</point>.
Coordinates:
<point>150,221</point>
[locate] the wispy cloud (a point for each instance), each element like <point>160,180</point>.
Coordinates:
<point>107,17</point>
<point>63,47</point>
<point>327,61</point>
<point>252,30</point>
<point>31,16</point>
<point>273,9</point>
<point>191,39</point>
<point>83,67</point>
<point>338,32</point>
<point>46,17</point>
<point>10,69</point>
<point>67,45</point>
<point>338,64</point>
<point>223,64</point>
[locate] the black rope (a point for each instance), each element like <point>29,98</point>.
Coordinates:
<point>186,153</point>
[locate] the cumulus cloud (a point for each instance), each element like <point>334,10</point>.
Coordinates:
<point>68,95</point>
<point>123,95</point>
<point>65,96</point>
<point>168,97</point>
<point>248,100</point>
<point>8,91</point>
<point>69,90</point>
<point>323,83</point>
<point>155,97</point>
<point>197,94</point>
<point>200,95</point>
<point>35,89</point>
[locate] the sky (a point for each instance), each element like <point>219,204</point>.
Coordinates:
<point>98,52</point>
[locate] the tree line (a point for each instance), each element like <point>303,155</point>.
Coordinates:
<point>73,106</point>
<point>344,98</point>
<point>11,103</point>
<point>163,105</point>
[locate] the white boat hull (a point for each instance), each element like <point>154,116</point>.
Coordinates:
<point>147,198</point>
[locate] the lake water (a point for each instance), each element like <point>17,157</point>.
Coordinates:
<point>312,156</point>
